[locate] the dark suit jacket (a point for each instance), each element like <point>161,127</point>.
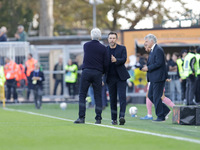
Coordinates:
<point>121,56</point>
<point>156,65</point>
<point>40,74</point>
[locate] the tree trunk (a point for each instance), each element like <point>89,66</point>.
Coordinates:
<point>46,18</point>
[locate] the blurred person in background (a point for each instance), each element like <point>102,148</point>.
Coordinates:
<point>130,83</point>
<point>189,67</point>
<point>168,59</point>
<point>36,78</point>
<point>175,86</point>
<point>3,36</point>
<point>29,67</point>
<point>182,77</point>
<point>10,70</point>
<point>20,35</point>
<point>198,76</point>
<point>95,64</point>
<point>71,78</point>
<point>2,82</point>
<point>58,77</point>
<point>116,78</point>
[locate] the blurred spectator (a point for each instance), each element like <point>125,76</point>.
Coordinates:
<point>130,84</point>
<point>175,83</point>
<point>20,35</point>
<point>58,77</point>
<point>189,67</point>
<point>3,36</point>
<point>168,59</point>
<point>137,64</point>
<point>2,82</point>
<point>29,67</point>
<point>10,70</point>
<point>71,78</point>
<point>182,78</point>
<point>198,75</point>
<point>36,78</point>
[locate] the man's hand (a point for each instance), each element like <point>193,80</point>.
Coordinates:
<point>168,80</point>
<point>113,59</point>
<point>36,78</point>
<point>17,36</point>
<point>129,84</point>
<point>145,68</point>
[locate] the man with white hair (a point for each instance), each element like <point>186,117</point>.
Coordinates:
<point>95,63</point>
<point>21,34</point>
<point>156,75</point>
<point>3,36</point>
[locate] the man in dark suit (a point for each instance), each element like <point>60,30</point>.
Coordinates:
<point>95,63</point>
<point>156,75</point>
<point>116,78</point>
<point>36,78</point>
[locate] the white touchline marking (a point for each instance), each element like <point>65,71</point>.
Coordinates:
<point>113,127</point>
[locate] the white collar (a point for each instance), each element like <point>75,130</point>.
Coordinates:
<point>153,47</point>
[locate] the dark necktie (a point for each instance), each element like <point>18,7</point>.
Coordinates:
<point>149,56</point>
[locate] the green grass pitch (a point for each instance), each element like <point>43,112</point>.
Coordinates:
<point>26,131</point>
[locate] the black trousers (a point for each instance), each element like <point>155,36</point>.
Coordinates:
<point>183,89</point>
<point>197,99</point>
<point>11,89</point>
<point>71,88</point>
<point>57,82</point>
<point>94,77</point>
<point>38,96</point>
<point>190,89</point>
<point>116,88</point>
<point>155,94</point>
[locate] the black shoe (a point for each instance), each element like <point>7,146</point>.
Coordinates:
<point>79,120</point>
<point>98,122</point>
<point>121,121</point>
<point>114,122</point>
<point>159,120</point>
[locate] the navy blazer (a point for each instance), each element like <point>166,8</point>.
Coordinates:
<point>156,65</point>
<point>121,56</point>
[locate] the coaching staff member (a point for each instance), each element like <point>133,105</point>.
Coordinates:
<point>116,78</point>
<point>156,74</point>
<point>95,63</point>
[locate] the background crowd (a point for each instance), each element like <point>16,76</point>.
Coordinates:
<point>183,85</point>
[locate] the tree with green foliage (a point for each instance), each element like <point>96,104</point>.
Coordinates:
<point>70,15</point>
<point>14,13</point>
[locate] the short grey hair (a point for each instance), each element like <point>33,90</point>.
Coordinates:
<point>151,37</point>
<point>95,34</point>
<point>3,29</point>
<point>21,27</point>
